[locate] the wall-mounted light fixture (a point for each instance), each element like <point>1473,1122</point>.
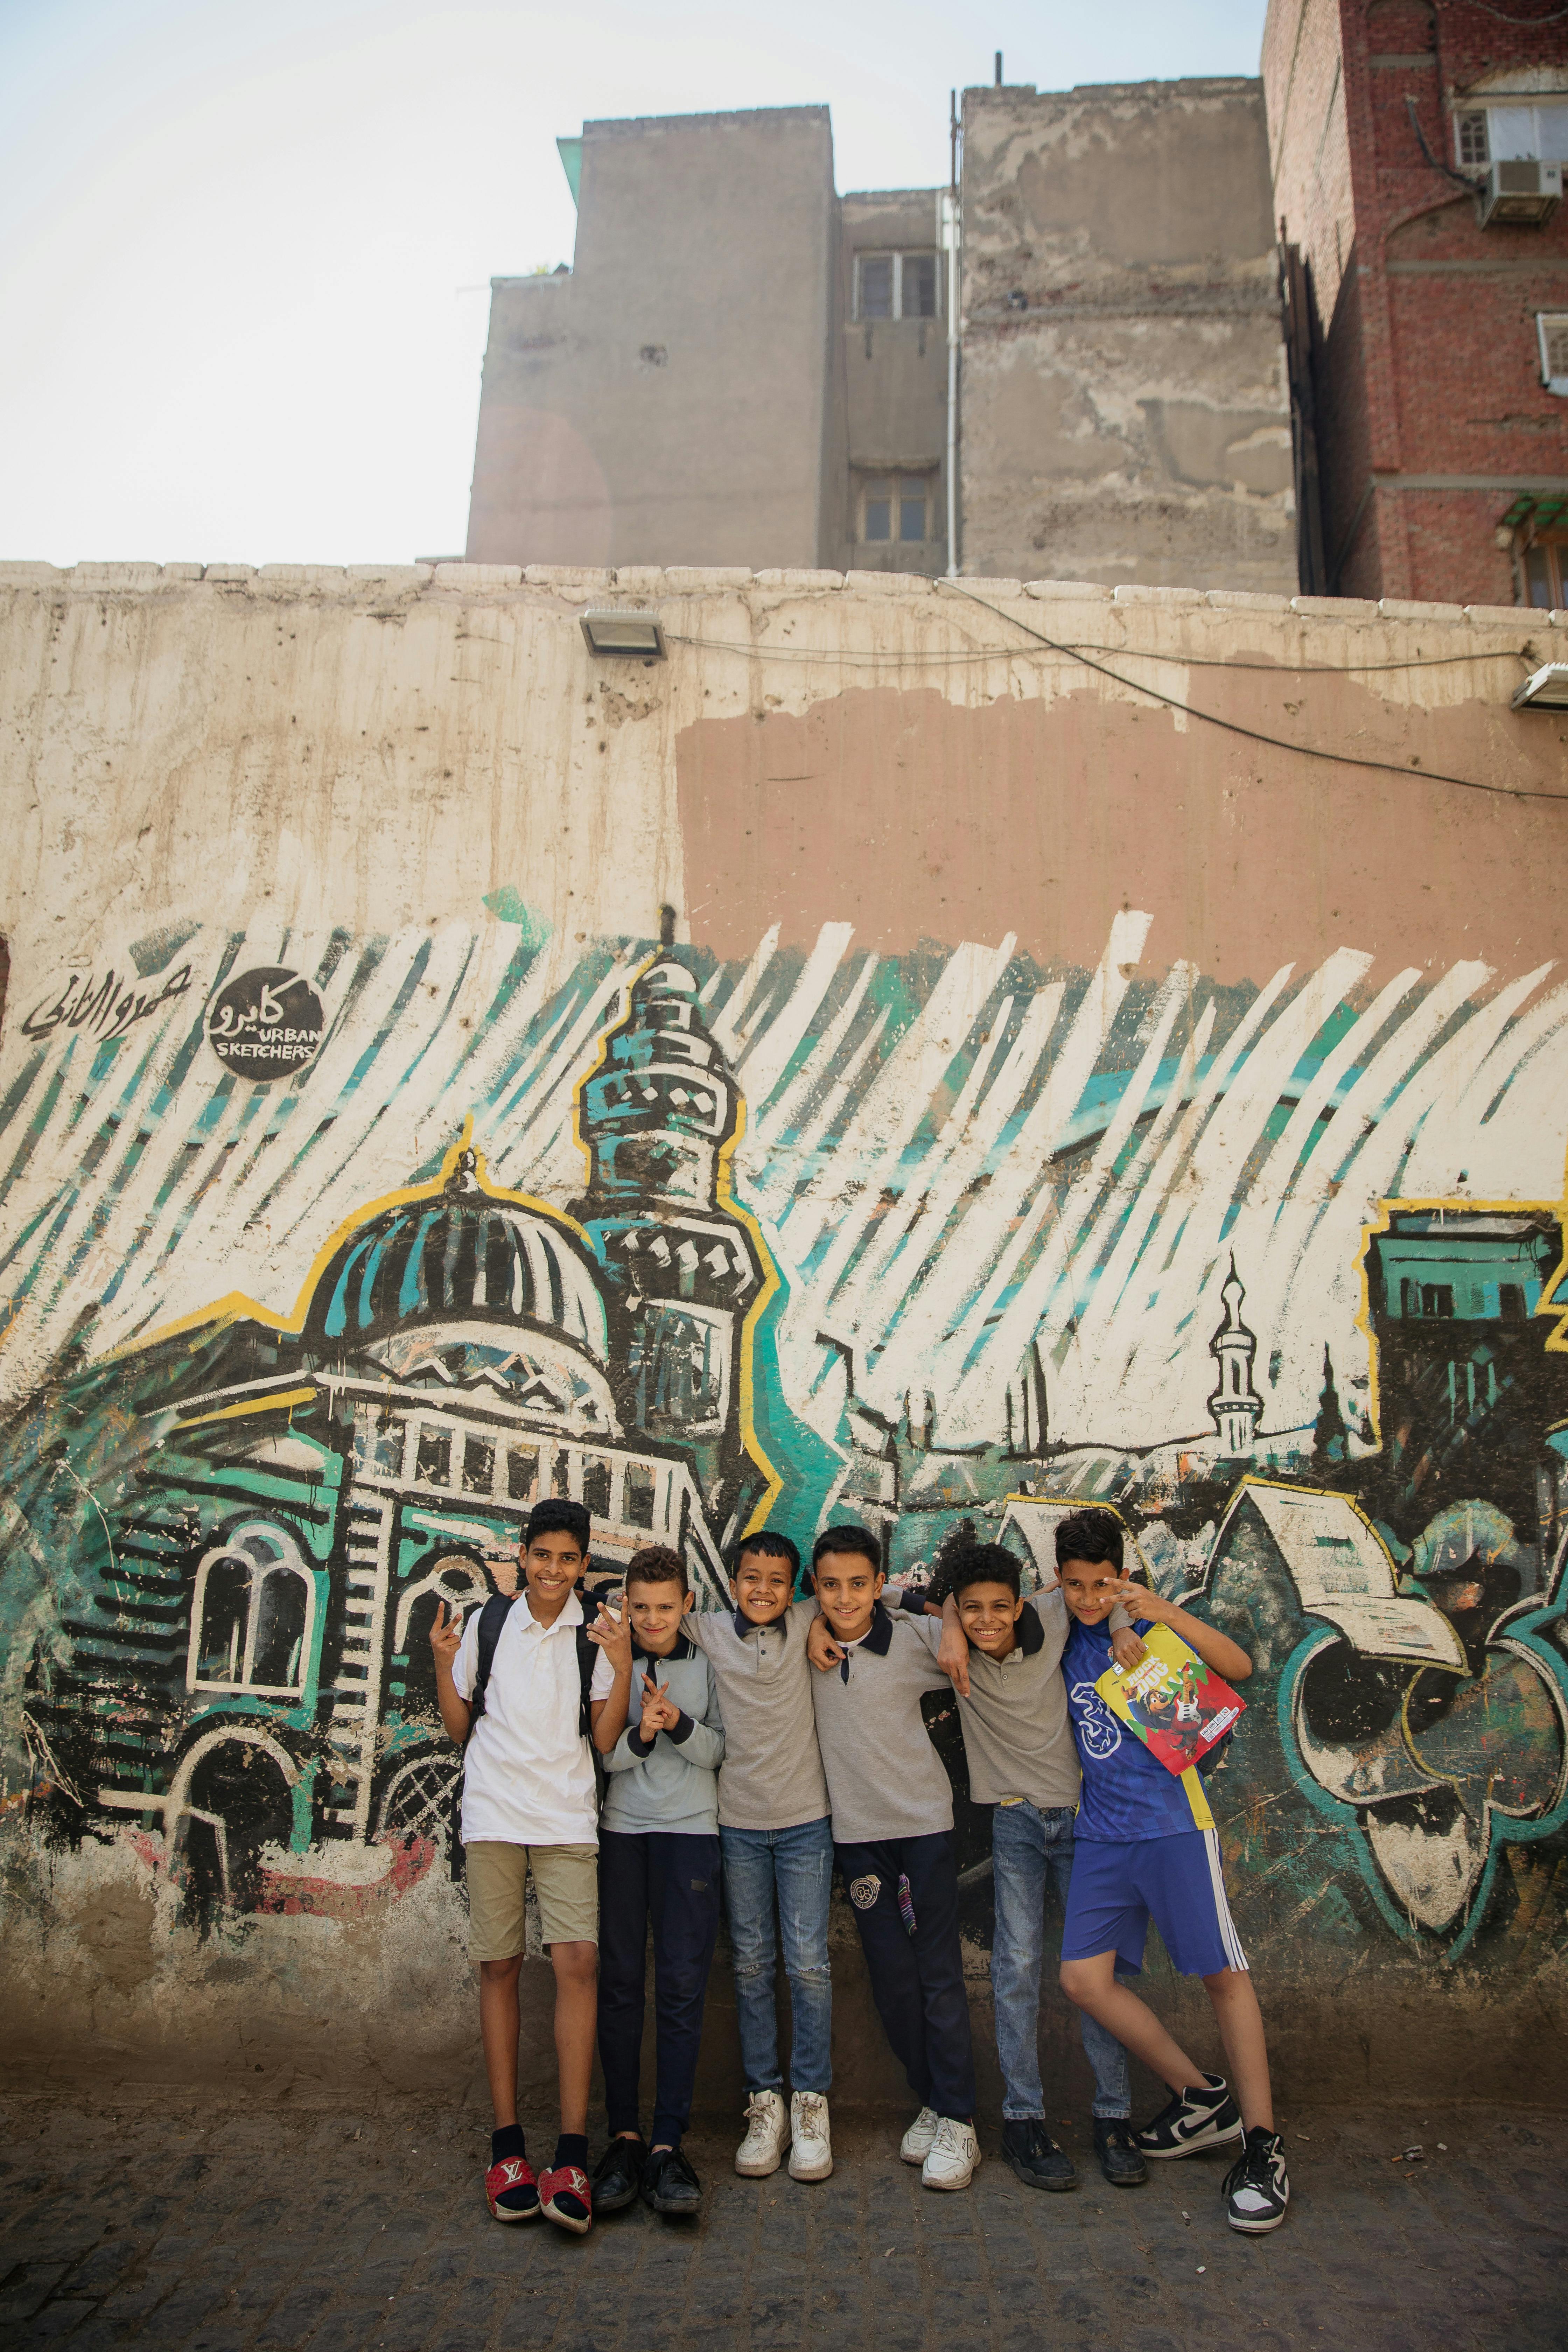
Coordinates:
<point>623,633</point>
<point>1545,690</point>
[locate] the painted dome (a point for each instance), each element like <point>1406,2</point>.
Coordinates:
<point>464,1257</point>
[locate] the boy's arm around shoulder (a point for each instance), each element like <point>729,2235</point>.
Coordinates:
<point>1216,1648</point>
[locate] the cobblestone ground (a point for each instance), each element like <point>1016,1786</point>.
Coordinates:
<point>202,2229</point>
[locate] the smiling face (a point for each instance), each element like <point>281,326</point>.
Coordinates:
<point>847,1589</point>
<point>1088,1589</point>
<point>656,1612</point>
<point>551,1566</point>
<point>761,1584</point>
<point>988,1615</point>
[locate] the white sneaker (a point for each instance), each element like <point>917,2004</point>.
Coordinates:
<point>811,2147</point>
<point>917,2142</point>
<point>767,2135</point>
<point>954,2153</point>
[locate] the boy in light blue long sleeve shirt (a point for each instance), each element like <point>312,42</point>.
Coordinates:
<point>658,1862</point>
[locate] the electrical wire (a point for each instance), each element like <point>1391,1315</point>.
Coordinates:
<point>1252,734</point>
<point>1122,652</point>
<point>1525,23</point>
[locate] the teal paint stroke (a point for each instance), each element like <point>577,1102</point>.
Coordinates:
<point>509,906</point>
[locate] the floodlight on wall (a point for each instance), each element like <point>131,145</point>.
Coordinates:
<point>1546,689</point>
<point>625,633</point>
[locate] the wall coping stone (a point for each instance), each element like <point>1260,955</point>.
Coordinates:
<point>696,579</point>
<point>1178,599</point>
<point>639,576</point>
<point>1497,616</point>
<point>1087,592</point>
<point>115,575</point>
<point>24,575</point>
<point>304,575</point>
<point>791,579</point>
<point>983,587</point>
<point>595,578</point>
<point>1399,608</point>
<point>1336,608</point>
<point>1245,600</point>
<point>478,575</point>
<point>392,575</point>
<point>890,584</point>
<point>227,573</point>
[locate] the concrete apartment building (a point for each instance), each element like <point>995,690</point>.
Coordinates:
<point>1417,155</point>
<point>744,368</point>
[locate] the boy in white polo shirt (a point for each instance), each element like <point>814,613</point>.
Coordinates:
<point>519,1684</point>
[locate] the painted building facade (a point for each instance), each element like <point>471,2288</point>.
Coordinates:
<point>871,1061</point>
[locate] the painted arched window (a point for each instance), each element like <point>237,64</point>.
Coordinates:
<point>252,1614</point>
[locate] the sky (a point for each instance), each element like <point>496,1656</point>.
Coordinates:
<point>244,251</point>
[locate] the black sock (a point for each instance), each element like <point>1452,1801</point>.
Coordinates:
<point>572,2147</point>
<point>506,2142</point>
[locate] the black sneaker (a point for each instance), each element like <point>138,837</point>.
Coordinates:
<point>1117,2149</point>
<point>1195,2119</point>
<point>1035,2156</point>
<point>669,2185</point>
<point>1256,2188</point>
<point>617,2175</point>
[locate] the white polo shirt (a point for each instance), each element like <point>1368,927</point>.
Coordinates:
<point>528,1776</point>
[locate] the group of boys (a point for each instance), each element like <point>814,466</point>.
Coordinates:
<point>748,1754</point>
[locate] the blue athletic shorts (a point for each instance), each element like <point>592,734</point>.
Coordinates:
<point>1178,1882</point>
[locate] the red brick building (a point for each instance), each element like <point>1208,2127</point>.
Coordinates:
<point>1409,141</point>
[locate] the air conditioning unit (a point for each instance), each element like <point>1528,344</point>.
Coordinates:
<point>1521,195</point>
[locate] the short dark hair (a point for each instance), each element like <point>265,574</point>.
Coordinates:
<point>657,1564</point>
<point>986,1564</point>
<point>557,1516</point>
<point>850,1537</point>
<point>766,1544</point>
<point>1092,1536</point>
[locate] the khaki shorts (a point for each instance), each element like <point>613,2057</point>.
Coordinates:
<point>565,1880</point>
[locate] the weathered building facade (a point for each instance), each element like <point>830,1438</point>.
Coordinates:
<point>866,1060</point>
<point>1416,153</point>
<point>744,368</point>
<point>1126,414</point>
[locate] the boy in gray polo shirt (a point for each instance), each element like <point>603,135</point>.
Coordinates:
<point>776,1837</point>
<point>1023,1760</point>
<point>659,1865</point>
<point>892,1831</point>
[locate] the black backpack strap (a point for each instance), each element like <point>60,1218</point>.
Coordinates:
<point>492,1617</point>
<point>587,1659</point>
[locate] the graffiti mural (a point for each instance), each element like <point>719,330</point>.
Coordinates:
<point>1274,1271</point>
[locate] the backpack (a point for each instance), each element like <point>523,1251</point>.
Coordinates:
<point>492,1617</point>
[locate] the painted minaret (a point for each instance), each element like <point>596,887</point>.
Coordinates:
<point>1235,1405</point>
<point>682,1266</point>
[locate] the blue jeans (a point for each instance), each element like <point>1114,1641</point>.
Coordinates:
<point>794,1866</point>
<point>1028,1846</point>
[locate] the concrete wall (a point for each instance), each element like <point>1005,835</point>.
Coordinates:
<point>1047,1001</point>
<point>1433,422</point>
<point>1126,415</point>
<point>666,400</point>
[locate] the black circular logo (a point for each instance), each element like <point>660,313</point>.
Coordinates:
<point>266,1024</point>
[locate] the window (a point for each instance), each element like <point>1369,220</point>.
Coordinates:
<point>1552,328</point>
<point>251,1615</point>
<point>1543,575</point>
<point>895,286</point>
<point>896,507</point>
<point>1498,134</point>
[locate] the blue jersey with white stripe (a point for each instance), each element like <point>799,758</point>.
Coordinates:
<point>1127,1792</point>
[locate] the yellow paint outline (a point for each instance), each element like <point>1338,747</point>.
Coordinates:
<point>724,1193</point>
<point>1556,1341</point>
<point>289,1397</point>
<point>237,1304</point>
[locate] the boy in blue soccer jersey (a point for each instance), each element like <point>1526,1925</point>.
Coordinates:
<point>1145,1848</point>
